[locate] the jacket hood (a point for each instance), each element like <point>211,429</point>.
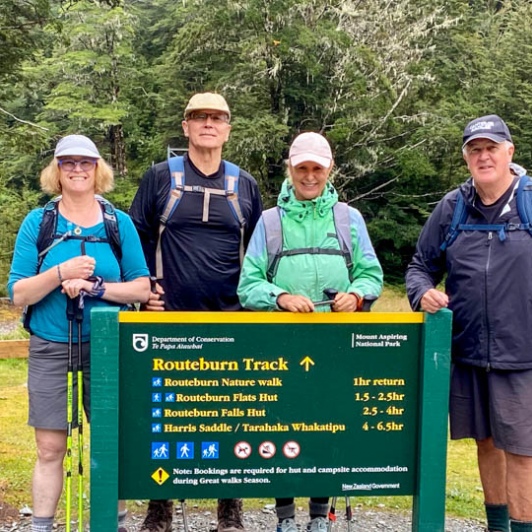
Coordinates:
<point>300,209</point>
<point>468,191</point>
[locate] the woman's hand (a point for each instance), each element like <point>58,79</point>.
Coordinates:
<point>344,302</point>
<point>76,268</point>
<point>72,287</point>
<point>294,303</point>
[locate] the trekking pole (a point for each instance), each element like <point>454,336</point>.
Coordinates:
<point>348,513</point>
<point>153,284</point>
<point>332,513</point>
<point>184,512</point>
<point>367,302</point>
<point>70,387</point>
<point>331,517</point>
<point>79,320</point>
<point>330,294</point>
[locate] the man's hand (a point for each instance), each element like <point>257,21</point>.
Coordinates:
<point>156,302</point>
<point>434,300</point>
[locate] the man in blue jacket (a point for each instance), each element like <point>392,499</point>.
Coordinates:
<point>489,289</point>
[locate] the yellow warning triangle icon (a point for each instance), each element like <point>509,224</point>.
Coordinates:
<point>160,476</point>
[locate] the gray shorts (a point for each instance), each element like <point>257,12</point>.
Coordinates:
<point>492,403</point>
<point>47,383</point>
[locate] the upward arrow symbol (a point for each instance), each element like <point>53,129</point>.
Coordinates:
<point>307,362</point>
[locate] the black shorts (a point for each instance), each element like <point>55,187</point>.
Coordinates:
<point>492,403</point>
<point>47,384</point>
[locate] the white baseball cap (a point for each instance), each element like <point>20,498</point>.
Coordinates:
<point>310,147</point>
<point>76,145</point>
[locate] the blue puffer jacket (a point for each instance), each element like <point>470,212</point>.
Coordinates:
<point>489,284</point>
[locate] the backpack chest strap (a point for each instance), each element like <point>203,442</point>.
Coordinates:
<point>500,229</point>
<point>310,251</point>
<point>207,192</point>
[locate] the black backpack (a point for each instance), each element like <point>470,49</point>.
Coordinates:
<point>48,237</point>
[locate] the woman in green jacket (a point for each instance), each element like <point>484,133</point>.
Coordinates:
<point>310,261</point>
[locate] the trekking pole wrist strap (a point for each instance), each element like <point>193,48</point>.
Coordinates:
<point>98,287</point>
<point>360,301</point>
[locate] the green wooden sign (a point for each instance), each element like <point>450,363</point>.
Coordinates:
<point>210,405</point>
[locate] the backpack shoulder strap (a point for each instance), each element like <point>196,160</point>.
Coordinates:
<point>232,174</point>
<point>110,223</point>
<point>176,167</point>
<point>177,174</point>
<point>177,182</point>
<point>47,228</point>
<point>523,200</point>
<point>47,237</point>
<point>45,241</point>
<point>459,217</point>
<point>231,177</point>
<point>273,231</point>
<point>342,225</point>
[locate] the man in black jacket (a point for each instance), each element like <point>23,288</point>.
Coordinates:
<point>197,257</point>
<point>489,289</point>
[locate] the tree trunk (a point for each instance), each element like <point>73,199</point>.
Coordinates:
<point>118,156</point>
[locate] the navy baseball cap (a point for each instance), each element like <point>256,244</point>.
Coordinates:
<point>487,127</point>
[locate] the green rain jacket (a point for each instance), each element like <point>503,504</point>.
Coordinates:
<point>308,224</point>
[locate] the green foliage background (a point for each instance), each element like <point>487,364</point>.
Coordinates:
<point>391,84</point>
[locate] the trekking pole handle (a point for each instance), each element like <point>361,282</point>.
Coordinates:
<point>153,284</point>
<point>323,303</point>
<point>367,302</point>
<point>79,305</point>
<point>71,308</point>
<point>330,294</point>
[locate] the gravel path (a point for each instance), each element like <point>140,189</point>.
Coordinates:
<point>364,520</point>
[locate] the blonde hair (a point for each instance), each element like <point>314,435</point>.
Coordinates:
<point>103,178</point>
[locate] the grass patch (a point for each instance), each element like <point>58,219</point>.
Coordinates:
<point>393,299</point>
<point>16,438</point>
